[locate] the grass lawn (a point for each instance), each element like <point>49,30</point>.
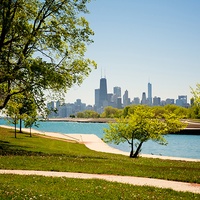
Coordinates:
<point>38,187</point>
<point>38,153</point>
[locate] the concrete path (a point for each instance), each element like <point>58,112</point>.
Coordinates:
<point>140,181</point>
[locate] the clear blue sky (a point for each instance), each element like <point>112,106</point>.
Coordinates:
<point>137,41</point>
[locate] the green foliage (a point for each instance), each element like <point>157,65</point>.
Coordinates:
<point>195,106</point>
<point>178,110</point>
<point>88,114</point>
<point>194,112</point>
<point>142,124</point>
<point>22,107</point>
<point>110,112</point>
<point>196,94</point>
<point>42,47</point>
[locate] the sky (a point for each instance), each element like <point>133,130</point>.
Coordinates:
<point>141,41</point>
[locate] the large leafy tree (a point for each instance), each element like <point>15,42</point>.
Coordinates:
<point>42,47</point>
<point>142,125</point>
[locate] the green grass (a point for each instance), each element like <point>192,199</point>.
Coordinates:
<point>37,153</point>
<point>38,187</point>
<point>194,120</point>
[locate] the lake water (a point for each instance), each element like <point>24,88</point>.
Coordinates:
<point>185,146</point>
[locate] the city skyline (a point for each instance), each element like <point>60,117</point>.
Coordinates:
<point>101,94</point>
<point>117,99</point>
<point>143,41</point>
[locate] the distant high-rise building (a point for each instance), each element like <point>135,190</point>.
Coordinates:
<point>156,101</point>
<point>58,108</point>
<point>169,101</point>
<point>97,91</point>
<point>126,100</point>
<point>136,101</point>
<point>51,108</point>
<point>117,91</point>
<point>110,99</point>
<point>119,102</point>
<point>102,91</point>
<point>144,99</point>
<point>182,101</point>
<point>116,94</point>
<point>149,99</point>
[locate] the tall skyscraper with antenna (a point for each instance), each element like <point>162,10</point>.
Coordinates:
<point>149,99</point>
<point>102,91</point>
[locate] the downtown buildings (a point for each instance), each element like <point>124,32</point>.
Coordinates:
<point>103,99</point>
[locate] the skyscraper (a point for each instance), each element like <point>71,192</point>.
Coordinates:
<point>182,101</point>
<point>117,91</point>
<point>144,99</point>
<point>97,97</point>
<point>149,99</point>
<point>126,100</point>
<point>116,94</point>
<point>102,92</point>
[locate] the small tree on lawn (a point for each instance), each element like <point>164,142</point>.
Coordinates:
<point>142,125</point>
<point>30,109</point>
<point>21,107</point>
<point>13,111</point>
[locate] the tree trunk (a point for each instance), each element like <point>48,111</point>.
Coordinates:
<point>15,128</point>
<point>138,150</point>
<point>132,145</point>
<point>20,125</point>
<point>30,132</point>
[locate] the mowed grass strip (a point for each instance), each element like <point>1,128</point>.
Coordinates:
<point>38,153</point>
<point>39,187</point>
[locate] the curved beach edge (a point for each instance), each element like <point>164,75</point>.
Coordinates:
<point>93,142</point>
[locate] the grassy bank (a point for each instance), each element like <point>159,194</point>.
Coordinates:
<point>38,153</point>
<point>37,187</point>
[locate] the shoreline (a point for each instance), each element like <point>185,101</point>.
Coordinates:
<point>93,142</point>
<point>81,120</point>
<point>192,128</point>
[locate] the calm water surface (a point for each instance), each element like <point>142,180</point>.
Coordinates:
<point>186,146</point>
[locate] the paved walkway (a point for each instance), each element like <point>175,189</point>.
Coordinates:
<point>140,181</point>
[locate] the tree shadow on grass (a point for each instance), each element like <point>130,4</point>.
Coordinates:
<point>7,149</point>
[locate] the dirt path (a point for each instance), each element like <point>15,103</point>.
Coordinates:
<point>140,181</point>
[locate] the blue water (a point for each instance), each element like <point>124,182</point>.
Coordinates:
<point>185,146</point>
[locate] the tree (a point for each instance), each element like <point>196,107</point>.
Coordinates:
<point>195,105</point>
<point>142,125</point>
<point>29,111</point>
<point>42,47</point>
<point>196,94</point>
<point>88,114</point>
<point>178,110</point>
<point>12,111</point>
<point>110,112</point>
<point>21,107</point>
